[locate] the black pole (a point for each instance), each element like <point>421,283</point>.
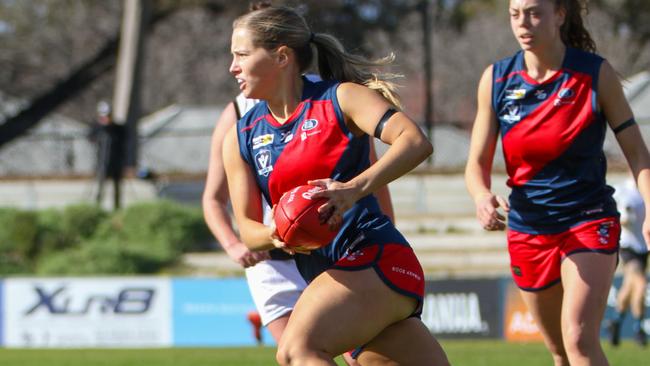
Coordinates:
<point>427,65</point>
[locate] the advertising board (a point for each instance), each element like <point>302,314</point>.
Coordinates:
<point>87,312</point>
<point>463,308</point>
<point>212,312</point>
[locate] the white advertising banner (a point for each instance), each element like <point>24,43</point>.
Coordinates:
<point>93,312</point>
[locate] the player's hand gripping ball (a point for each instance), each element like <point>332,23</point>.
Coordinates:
<point>298,222</point>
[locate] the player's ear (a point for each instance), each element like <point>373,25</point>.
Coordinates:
<point>282,55</point>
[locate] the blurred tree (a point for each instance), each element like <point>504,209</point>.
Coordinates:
<point>58,55</point>
<point>57,46</point>
<point>630,19</point>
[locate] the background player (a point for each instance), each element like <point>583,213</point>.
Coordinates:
<point>634,256</point>
<point>550,103</point>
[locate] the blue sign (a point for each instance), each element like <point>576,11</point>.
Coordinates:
<point>2,315</point>
<point>213,312</point>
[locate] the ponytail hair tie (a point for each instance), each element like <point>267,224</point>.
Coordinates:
<point>311,37</point>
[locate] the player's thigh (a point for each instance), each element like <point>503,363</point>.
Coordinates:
<point>276,327</point>
<point>546,308</point>
<point>341,310</point>
<point>407,342</point>
<point>587,278</point>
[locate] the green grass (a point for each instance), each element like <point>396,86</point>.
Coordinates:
<point>460,353</point>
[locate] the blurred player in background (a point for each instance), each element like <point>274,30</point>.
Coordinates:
<point>551,103</point>
<point>634,256</point>
<point>366,287</point>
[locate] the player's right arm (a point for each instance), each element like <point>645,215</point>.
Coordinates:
<point>215,197</point>
<point>481,156</point>
<point>245,197</point>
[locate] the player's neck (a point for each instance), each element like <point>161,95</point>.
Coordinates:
<point>284,103</point>
<point>542,65</point>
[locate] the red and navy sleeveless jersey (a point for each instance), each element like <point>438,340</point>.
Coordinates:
<point>552,134</point>
<point>314,143</point>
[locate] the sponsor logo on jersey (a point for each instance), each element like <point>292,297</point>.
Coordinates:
<point>309,124</point>
<point>263,163</point>
<point>262,140</point>
<point>564,96</point>
<point>304,135</point>
<point>285,137</point>
<point>406,272</point>
<point>540,94</point>
<point>511,113</point>
<point>515,94</point>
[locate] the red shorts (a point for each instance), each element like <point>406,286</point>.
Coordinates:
<point>395,264</point>
<point>535,259</point>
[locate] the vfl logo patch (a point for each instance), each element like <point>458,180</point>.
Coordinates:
<point>511,112</point>
<point>309,124</point>
<point>262,140</point>
<point>263,163</point>
<point>514,94</point>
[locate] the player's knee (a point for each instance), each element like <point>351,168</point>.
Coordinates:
<point>298,354</point>
<point>578,341</point>
<point>282,356</point>
<point>288,353</point>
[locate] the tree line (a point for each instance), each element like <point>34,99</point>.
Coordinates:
<point>59,55</point>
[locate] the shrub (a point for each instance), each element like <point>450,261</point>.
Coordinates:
<point>163,229</point>
<point>84,239</point>
<point>79,222</point>
<point>18,233</point>
<point>96,257</point>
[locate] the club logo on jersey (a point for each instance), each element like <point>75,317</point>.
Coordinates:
<point>603,232</point>
<point>515,94</point>
<point>540,94</point>
<point>309,124</point>
<point>511,112</point>
<point>263,162</point>
<point>262,140</point>
<point>354,256</point>
<point>564,96</point>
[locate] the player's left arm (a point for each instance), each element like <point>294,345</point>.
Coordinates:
<point>383,193</point>
<point>614,105</point>
<point>363,108</point>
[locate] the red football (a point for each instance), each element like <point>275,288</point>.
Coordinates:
<point>297,219</point>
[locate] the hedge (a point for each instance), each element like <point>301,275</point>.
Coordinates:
<point>143,238</point>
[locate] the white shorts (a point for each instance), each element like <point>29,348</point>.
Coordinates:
<point>275,286</point>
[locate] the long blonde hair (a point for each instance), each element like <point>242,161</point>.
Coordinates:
<point>272,27</point>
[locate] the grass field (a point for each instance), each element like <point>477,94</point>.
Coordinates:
<point>469,353</point>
